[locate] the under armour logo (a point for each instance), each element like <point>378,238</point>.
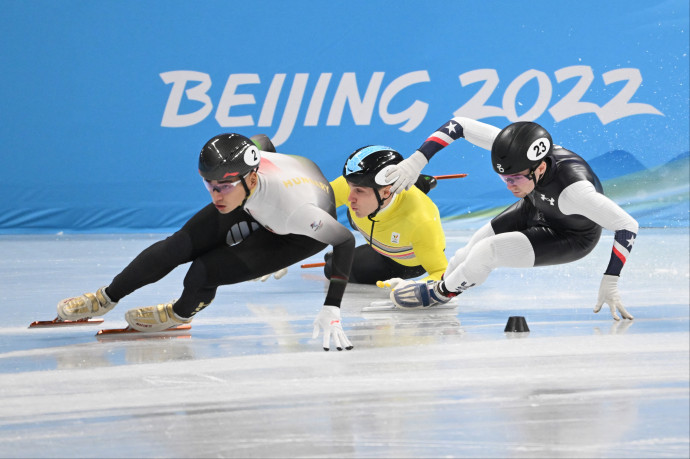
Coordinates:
<point>550,200</point>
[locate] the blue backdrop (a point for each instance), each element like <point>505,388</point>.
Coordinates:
<point>105,104</point>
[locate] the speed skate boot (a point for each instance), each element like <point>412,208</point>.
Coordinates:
<point>86,305</point>
<point>155,318</point>
<point>413,295</point>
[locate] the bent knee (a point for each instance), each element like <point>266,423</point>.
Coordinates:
<point>507,249</point>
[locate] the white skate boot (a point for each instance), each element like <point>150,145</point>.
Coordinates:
<point>154,318</point>
<point>86,305</point>
<point>413,295</point>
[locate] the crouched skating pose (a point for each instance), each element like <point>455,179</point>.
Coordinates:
<point>403,232</point>
<point>558,219</point>
<point>268,211</point>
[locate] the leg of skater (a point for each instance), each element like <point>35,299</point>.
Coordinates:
<point>369,266</point>
<point>261,253</point>
<point>205,230</point>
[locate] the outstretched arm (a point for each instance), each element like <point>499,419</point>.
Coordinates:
<point>405,174</point>
<point>318,224</point>
<point>475,132</point>
<point>581,198</point>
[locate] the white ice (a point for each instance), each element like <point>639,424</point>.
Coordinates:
<point>248,380</point>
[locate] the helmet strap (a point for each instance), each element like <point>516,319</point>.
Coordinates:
<point>380,201</point>
<point>371,233</point>
<point>247,191</point>
<point>533,175</point>
<point>373,214</point>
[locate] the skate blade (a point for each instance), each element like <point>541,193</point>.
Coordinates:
<point>182,329</point>
<point>388,305</point>
<point>57,322</point>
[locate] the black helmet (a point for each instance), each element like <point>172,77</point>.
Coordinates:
<point>263,142</point>
<point>365,167</point>
<point>519,146</point>
<point>228,155</point>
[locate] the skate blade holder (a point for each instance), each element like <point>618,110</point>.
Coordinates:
<point>57,322</point>
<point>180,331</point>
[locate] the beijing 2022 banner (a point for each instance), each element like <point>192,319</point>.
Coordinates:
<point>105,105</point>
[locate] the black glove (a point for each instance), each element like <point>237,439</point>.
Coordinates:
<point>426,183</point>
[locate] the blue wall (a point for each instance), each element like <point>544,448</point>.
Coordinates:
<point>106,104</point>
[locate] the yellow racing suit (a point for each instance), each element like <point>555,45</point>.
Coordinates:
<point>408,231</point>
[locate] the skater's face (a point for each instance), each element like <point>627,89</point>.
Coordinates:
<point>363,199</point>
<point>522,184</point>
<point>227,195</point>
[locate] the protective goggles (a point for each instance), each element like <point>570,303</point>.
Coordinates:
<point>222,188</point>
<point>517,179</point>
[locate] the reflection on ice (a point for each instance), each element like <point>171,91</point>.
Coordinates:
<point>248,380</point>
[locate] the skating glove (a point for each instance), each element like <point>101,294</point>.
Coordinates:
<point>278,274</point>
<point>608,293</point>
<point>390,283</point>
<point>329,320</point>
<point>406,173</point>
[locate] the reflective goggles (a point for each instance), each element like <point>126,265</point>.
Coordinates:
<point>222,188</point>
<point>517,179</point>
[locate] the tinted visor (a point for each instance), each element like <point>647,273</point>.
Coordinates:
<point>222,188</point>
<point>516,179</point>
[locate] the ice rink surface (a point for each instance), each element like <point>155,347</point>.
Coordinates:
<point>249,381</point>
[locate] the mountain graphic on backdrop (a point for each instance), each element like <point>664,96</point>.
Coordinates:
<point>680,157</point>
<point>615,163</point>
<point>656,197</point>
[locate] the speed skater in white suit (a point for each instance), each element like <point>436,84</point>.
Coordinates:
<point>268,211</point>
<point>558,219</point>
